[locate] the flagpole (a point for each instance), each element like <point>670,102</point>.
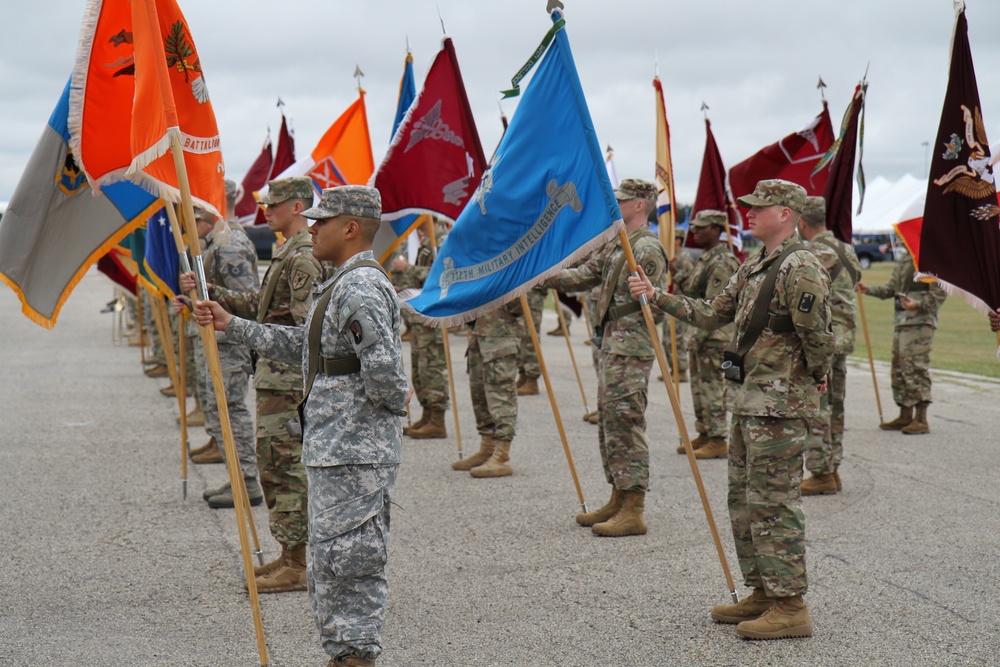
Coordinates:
<point>182,402</point>
<point>529,320</point>
<point>138,314</point>
<point>572,357</point>
<point>447,352</point>
<point>667,230</point>
<point>868,346</point>
<point>674,403</point>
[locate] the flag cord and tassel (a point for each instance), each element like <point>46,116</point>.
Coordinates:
<point>569,346</point>
<point>530,322</point>
<point>674,403</point>
<point>447,357</point>
<point>871,359</point>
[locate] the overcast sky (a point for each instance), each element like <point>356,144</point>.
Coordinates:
<point>754,62</point>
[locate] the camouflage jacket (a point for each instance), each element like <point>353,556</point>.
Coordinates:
<point>782,369</point>
<point>843,298</point>
<point>711,272</point>
<point>683,266</point>
<point>625,335</point>
<point>929,297</point>
<point>348,419</point>
<point>289,282</point>
<point>230,261</point>
<point>414,275</point>
<point>507,321</point>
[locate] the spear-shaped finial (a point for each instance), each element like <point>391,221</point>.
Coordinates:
<point>357,75</point>
<point>821,86</point>
<point>609,150</point>
<point>281,104</point>
<point>704,109</point>
<point>553,5</point>
<point>441,18</point>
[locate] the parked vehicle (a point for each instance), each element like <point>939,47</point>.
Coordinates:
<point>876,248</point>
<point>263,240</point>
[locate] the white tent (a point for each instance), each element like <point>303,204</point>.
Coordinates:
<point>887,201</point>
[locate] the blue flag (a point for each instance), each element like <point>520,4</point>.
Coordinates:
<point>55,226</point>
<point>161,260</point>
<point>407,93</point>
<point>545,201</point>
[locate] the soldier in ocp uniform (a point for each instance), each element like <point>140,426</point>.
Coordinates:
<point>626,358</point>
<point>528,367</point>
<point>775,388</point>
<point>825,446</point>
<point>355,391</point>
<point>916,305</point>
<point>680,269</point>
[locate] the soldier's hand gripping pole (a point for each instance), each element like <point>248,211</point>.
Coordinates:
<point>572,357</point>
<point>868,346</point>
<point>529,320</point>
<point>685,438</point>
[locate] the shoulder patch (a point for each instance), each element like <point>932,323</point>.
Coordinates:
<point>650,268</point>
<point>357,332</point>
<point>806,302</point>
<point>299,279</point>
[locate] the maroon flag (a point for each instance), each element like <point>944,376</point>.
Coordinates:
<point>284,157</point>
<point>838,192</point>
<point>793,158</point>
<point>435,160</point>
<point>960,237</point>
<point>256,177</point>
<point>713,189</point>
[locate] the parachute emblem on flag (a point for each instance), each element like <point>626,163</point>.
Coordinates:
<point>973,180</point>
<point>432,127</point>
<point>179,48</point>
<point>486,185</point>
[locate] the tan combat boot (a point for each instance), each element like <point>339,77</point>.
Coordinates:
<point>836,478</point>
<point>497,465</point>
<point>350,661</point>
<point>628,520</point>
<point>919,424</point>
<point>482,456</point>
<point>789,617</point>
<point>904,418</point>
<point>819,485</point>
<point>211,455</point>
<point>700,441</point>
<point>157,371</point>
<point>433,428</point>
<point>204,448</point>
<point>747,609</point>
<point>528,388</point>
<point>194,418</point>
<point>558,330</point>
<point>270,566</point>
<point>424,418</point>
<point>715,448</point>
<point>289,576</point>
<point>168,391</point>
<point>592,417</point>
<point>604,513</point>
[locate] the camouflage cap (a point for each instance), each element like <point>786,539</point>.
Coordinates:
<point>815,210</point>
<point>680,233</point>
<point>776,192</point>
<point>635,188</point>
<point>232,190</point>
<point>357,201</point>
<point>709,217</point>
<point>283,189</point>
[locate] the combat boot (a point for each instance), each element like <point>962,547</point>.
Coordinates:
<point>289,576</point>
<point>836,478</point>
<point>211,455</point>
<point>528,388</point>
<point>700,441</point>
<point>628,520</point>
<point>270,566</point>
<point>715,448</point>
<point>592,417</point>
<point>215,492</point>
<point>558,330</point>
<point>819,485</point>
<point>168,390</point>
<point>225,499</point>
<point>747,609</point>
<point>603,514</point>
<point>204,448</point>
<point>350,661</point>
<point>424,418</point>
<point>194,418</point>
<point>482,456</point>
<point>789,617</point>
<point>919,424</point>
<point>497,465</point>
<point>157,371</point>
<point>433,428</point>
<point>897,424</point>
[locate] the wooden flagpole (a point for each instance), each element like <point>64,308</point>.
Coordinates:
<point>552,398</point>
<point>182,399</point>
<point>685,439</point>
<point>447,355</point>
<point>142,324</point>
<point>868,346</point>
<point>569,346</point>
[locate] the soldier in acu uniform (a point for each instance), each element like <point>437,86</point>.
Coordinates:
<point>775,388</point>
<point>825,446</point>
<point>626,358</point>
<point>356,390</point>
<point>917,305</point>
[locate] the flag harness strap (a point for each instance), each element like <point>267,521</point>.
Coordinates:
<point>844,264</point>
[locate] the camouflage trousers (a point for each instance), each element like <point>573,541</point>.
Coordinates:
<point>527,356</point>
<point>279,458</point>
<point>590,302</point>
<point>825,443</point>
<point>621,405</point>
<point>708,388</point>
<point>348,547</point>
<point>235,362</point>
<point>493,384</point>
<point>765,471</point>
<point>911,365</point>
<point>682,333</point>
<point>430,370</point>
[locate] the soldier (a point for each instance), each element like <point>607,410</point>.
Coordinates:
<point>709,275</point>
<point>355,391</point>
<point>427,360</point>
<point>825,444</point>
<point>917,305</point>
<point>492,353</point>
<point>626,358</point>
<point>775,385</point>
<point>527,358</point>
<point>680,269</point>
<point>284,298</point>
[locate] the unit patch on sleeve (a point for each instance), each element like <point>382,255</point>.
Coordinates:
<point>806,302</point>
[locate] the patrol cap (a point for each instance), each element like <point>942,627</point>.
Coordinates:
<point>680,232</point>
<point>232,190</point>
<point>776,192</point>
<point>357,201</point>
<point>283,189</point>
<point>709,217</point>
<point>815,210</point>
<point>635,188</point>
